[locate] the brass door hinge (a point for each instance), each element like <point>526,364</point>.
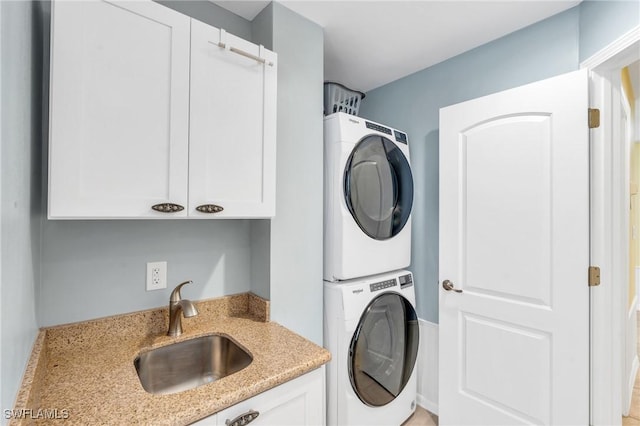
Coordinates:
<point>594,118</point>
<point>594,276</point>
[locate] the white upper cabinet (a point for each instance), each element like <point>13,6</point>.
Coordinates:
<point>119,109</point>
<point>125,135</point>
<point>233,109</point>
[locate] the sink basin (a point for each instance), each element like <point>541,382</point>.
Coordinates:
<point>189,364</point>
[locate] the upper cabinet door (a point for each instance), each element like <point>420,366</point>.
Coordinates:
<point>118,110</point>
<point>232,128</point>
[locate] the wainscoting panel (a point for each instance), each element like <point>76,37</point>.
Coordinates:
<point>428,366</point>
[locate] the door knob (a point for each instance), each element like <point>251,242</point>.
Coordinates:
<point>448,285</point>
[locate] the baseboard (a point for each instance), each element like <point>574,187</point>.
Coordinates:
<point>427,366</point>
<point>427,405</point>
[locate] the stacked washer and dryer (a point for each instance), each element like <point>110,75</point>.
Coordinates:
<point>370,322</point>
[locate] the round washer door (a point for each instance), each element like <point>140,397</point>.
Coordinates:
<point>378,187</point>
<point>383,349</point>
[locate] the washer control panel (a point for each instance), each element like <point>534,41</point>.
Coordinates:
<point>382,285</point>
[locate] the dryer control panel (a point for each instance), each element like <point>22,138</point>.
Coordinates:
<point>400,137</point>
<point>382,285</point>
<point>377,127</point>
<point>405,280</point>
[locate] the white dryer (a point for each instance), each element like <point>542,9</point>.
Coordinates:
<point>371,330</point>
<point>368,198</point>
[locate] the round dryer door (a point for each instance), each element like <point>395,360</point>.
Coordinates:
<point>383,349</point>
<point>378,187</point>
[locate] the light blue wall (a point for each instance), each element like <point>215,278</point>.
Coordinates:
<point>20,211</point>
<point>93,269</point>
<point>296,230</point>
<point>262,27</point>
<point>545,49</point>
<point>211,14</point>
<point>602,21</point>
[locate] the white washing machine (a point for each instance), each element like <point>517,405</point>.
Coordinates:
<point>368,198</point>
<point>371,330</point>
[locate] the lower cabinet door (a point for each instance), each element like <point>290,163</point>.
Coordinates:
<point>298,402</point>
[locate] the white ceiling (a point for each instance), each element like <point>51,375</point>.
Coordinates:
<point>370,43</point>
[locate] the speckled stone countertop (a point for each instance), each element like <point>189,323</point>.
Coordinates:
<point>83,373</point>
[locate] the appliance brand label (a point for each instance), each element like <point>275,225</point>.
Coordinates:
<point>358,291</point>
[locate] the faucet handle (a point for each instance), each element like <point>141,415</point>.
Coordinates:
<point>175,294</point>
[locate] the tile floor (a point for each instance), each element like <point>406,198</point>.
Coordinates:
<point>423,417</point>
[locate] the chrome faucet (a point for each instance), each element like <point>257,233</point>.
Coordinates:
<point>177,307</point>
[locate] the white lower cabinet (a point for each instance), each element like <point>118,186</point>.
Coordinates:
<point>299,402</point>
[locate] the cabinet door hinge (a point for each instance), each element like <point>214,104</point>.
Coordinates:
<point>594,276</point>
<point>594,118</point>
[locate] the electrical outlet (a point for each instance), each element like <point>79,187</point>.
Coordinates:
<point>156,275</point>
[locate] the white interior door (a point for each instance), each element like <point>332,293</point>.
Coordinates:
<point>514,238</point>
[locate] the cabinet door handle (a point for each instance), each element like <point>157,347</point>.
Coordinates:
<point>167,207</point>
<point>209,208</point>
<point>223,44</point>
<point>243,419</point>
<point>250,56</point>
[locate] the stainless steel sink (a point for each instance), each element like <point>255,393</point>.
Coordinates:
<point>189,364</point>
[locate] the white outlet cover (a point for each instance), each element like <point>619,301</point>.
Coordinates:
<point>156,275</point>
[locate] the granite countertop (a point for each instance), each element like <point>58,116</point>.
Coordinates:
<point>84,372</point>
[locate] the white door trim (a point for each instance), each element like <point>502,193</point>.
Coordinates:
<point>637,272</point>
<point>609,230</point>
<point>2,396</point>
<point>621,45</point>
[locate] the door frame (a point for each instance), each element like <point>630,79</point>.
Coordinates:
<point>609,229</point>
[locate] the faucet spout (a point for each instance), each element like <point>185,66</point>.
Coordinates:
<point>188,308</point>
<point>177,308</point>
